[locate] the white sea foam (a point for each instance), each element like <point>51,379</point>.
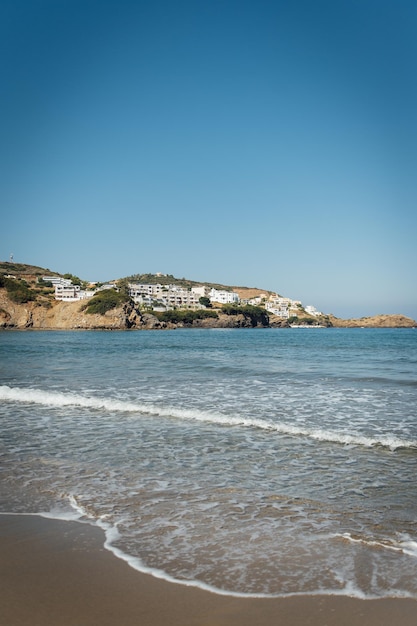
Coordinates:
<point>112,535</point>
<point>405,544</point>
<point>408,546</point>
<point>59,399</point>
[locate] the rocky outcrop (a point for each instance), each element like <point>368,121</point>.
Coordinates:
<point>55,315</point>
<point>222,321</point>
<point>377,321</point>
<point>278,322</point>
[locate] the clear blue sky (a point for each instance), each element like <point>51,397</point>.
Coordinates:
<point>263,143</point>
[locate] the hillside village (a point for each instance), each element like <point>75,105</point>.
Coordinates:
<point>158,297</point>
<point>34,298</point>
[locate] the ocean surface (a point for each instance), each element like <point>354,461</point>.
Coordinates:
<point>251,462</point>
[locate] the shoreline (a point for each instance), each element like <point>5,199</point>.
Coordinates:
<point>58,573</point>
<point>47,329</point>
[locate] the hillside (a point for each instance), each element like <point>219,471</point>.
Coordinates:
<point>27,303</point>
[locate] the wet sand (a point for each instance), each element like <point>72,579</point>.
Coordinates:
<point>56,573</point>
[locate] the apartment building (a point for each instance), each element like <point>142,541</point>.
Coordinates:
<point>169,296</point>
<point>57,280</point>
<point>223,297</point>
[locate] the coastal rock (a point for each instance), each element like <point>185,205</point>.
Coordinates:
<point>56,315</point>
<point>278,322</point>
<point>150,322</point>
<point>376,321</point>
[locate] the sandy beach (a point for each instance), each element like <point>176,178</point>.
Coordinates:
<point>58,573</point>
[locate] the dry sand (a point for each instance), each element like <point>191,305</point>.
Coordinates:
<point>56,573</point>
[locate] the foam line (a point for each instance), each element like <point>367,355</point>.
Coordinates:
<point>111,535</point>
<point>405,546</point>
<point>59,399</point>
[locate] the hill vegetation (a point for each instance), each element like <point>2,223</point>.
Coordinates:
<point>24,283</point>
<point>20,290</point>
<point>186,317</point>
<point>104,301</point>
<point>22,269</point>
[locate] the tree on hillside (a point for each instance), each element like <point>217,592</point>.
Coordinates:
<point>257,315</point>
<point>123,286</point>
<point>204,301</point>
<point>104,301</point>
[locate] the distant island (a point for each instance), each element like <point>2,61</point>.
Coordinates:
<point>32,297</point>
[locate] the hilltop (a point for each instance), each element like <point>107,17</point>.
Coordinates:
<point>32,272</point>
<point>26,301</point>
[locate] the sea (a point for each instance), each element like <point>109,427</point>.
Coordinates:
<point>250,462</point>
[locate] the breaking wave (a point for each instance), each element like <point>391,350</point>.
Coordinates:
<point>59,399</point>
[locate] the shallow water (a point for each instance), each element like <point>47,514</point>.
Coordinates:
<point>252,461</point>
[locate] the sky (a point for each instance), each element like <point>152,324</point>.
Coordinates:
<point>267,143</point>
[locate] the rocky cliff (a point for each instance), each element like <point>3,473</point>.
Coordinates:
<point>64,315</point>
<point>57,315</point>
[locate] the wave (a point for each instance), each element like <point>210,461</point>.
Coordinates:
<point>77,513</point>
<point>404,544</point>
<point>60,399</point>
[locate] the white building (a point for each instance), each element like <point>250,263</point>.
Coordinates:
<point>83,294</point>
<point>258,299</point>
<point>136,290</point>
<point>278,310</point>
<point>180,297</point>
<point>223,297</point>
<point>201,291</point>
<point>311,310</point>
<point>169,296</point>
<point>57,280</point>
<point>65,290</point>
<point>69,293</point>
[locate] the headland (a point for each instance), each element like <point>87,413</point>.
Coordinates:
<point>29,301</point>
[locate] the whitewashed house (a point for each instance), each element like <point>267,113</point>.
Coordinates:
<point>223,297</point>
<point>311,310</point>
<point>69,293</point>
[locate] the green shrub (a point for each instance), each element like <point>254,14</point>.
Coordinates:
<point>104,301</point>
<point>256,314</point>
<point>74,279</point>
<point>17,290</point>
<point>184,316</point>
<point>44,283</point>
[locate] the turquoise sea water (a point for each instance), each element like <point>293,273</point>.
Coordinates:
<point>267,462</point>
